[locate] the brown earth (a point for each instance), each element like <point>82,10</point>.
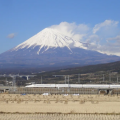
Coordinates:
<point>59,103</point>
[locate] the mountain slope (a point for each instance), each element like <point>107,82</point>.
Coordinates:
<point>50,48</point>
<point>49,38</point>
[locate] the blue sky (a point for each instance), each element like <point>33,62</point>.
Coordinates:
<point>94,21</point>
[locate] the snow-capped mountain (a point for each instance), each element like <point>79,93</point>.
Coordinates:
<point>51,48</point>
<point>49,38</point>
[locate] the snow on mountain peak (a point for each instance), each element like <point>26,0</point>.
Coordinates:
<point>49,38</point>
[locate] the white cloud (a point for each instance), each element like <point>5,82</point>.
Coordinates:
<point>117,38</point>
<point>113,46</point>
<point>103,37</point>
<point>12,35</point>
<point>110,49</point>
<point>72,30</point>
<point>107,44</point>
<point>93,38</point>
<point>106,23</point>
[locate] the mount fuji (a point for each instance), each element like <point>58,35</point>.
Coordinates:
<point>49,48</point>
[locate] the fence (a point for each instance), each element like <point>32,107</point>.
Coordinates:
<point>21,90</point>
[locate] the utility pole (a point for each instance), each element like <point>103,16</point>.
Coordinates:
<point>103,78</point>
<point>78,78</point>
<point>14,82</point>
<point>65,79</point>
<point>6,82</point>
<point>68,79</point>
<point>117,78</point>
<point>109,77</point>
<point>41,79</point>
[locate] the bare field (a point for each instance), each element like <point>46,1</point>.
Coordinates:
<point>59,107</point>
<point>59,103</point>
<point>58,117</point>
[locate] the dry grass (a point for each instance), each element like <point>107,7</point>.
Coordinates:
<point>59,103</point>
<point>47,116</point>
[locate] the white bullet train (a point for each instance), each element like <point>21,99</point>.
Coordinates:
<point>97,86</point>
